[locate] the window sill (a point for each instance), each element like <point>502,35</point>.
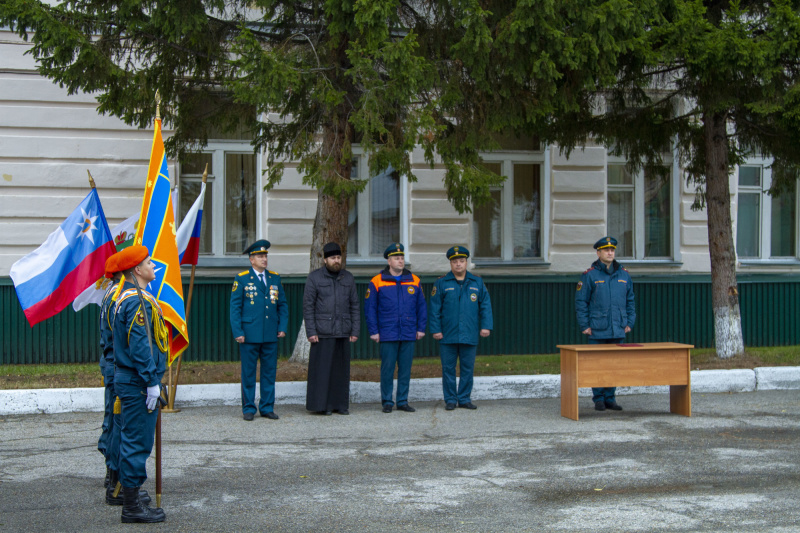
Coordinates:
<point>769,262</point>
<point>540,263</point>
<point>650,262</point>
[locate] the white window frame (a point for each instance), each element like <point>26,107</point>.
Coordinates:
<point>363,201</point>
<point>765,215</point>
<point>671,161</point>
<point>216,184</point>
<point>507,160</point>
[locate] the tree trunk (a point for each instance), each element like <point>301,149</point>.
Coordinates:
<point>724,291</point>
<point>330,223</point>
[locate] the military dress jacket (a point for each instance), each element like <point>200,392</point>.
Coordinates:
<point>604,301</point>
<point>106,334</point>
<point>395,309</point>
<point>133,359</point>
<point>258,312</point>
<point>460,311</point>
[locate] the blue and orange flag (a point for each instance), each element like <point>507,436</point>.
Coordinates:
<point>157,232</point>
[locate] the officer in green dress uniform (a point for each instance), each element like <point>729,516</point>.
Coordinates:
<point>461,313</point>
<point>259,316</point>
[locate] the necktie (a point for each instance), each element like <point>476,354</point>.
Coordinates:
<point>262,280</point>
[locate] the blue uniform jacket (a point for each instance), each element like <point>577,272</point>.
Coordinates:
<point>604,301</point>
<point>258,313</point>
<point>459,312</point>
<point>132,358</point>
<point>395,310</point>
<point>106,335</point>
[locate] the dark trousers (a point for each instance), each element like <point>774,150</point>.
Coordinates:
<point>607,394</point>
<point>465,355</point>
<point>108,418</point>
<point>251,354</point>
<point>137,431</point>
<point>109,439</point>
<point>328,386</point>
<point>400,354</point>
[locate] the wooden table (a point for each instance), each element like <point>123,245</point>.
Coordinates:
<point>626,365</point>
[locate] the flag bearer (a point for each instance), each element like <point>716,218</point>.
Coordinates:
<point>141,342</point>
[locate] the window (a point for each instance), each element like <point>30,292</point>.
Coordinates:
<point>766,226</point>
<point>509,226</point>
<point>231,196</point>
<point>376,215</point>
<point>639,211</point>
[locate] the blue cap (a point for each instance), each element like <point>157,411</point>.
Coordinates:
<point>606,242</point>
<point>395,248</point>
<point>457,251</point>
<point>258,247</point>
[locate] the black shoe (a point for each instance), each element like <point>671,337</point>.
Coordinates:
<point>449,407</point>
<point>343,412</point>
<point>387,408</point>
<point>600,406</point>
<point>405,407</point>
<point>327,413</point>
<point>614,406</point>
<point>273,416</point>
<point>108,476</point>
<point>468,405</point>
<point>248,416</point>
<point>134,510</point>
<point>117,500</point>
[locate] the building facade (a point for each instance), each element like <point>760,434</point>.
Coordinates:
<point>541,222</point>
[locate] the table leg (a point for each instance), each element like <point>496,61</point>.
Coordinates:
<point>680,400</point>
<point>569,384</point>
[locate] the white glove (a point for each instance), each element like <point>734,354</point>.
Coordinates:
<point>152,397</point>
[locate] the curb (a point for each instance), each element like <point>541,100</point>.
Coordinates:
<point>52,401</point>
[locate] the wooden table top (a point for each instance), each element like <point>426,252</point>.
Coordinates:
<point>626,346</point>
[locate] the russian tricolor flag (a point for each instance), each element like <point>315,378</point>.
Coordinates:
<point>72,258</point>
<point>188,235</point>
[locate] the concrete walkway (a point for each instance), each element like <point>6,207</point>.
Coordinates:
<point>51,401</point>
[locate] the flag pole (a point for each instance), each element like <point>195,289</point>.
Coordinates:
<point>158,419</point>
<point>91,179</point>
<point>174,387</point>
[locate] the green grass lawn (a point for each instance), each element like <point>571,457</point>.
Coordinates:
<point>88,375</point>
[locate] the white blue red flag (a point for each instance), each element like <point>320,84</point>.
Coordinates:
<point>188,236</point>
<point>72,258</point>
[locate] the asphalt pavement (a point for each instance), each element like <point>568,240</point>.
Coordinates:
<point>511,465</point>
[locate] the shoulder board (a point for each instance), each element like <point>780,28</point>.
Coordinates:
<point>588,270</point>
<point>274,273</point>
<point>132,292</point>
<point>440,277</point>
<point>625,269</point>
<point>246,272</point>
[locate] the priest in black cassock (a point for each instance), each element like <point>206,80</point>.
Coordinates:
<point>333,320</point>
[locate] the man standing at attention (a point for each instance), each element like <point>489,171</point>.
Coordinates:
<point>461,312</point>
<point>396,318</point>
<point>333,320</point>
<point>141,342</point>
<point>259,317</point>
<point>606,309</point>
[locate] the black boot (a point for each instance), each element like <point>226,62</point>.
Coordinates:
<point>112,485</point>
<point>134,511</point>
<point>108,477</point>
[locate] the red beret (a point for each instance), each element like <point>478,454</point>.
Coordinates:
<point>125,259</point>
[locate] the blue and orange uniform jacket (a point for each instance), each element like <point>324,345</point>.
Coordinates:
<point>132,356</point>
<point>395,309</point>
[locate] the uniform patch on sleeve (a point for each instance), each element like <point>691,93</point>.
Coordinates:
<point>367,295</point>
<point>580,286</point>
<point>139,318</point>
<point>433,291</point>
<point>235,285</point>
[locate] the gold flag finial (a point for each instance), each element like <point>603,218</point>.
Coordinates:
<point>91,180</point>
<point>158,105</point>
<point>205,173</point>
